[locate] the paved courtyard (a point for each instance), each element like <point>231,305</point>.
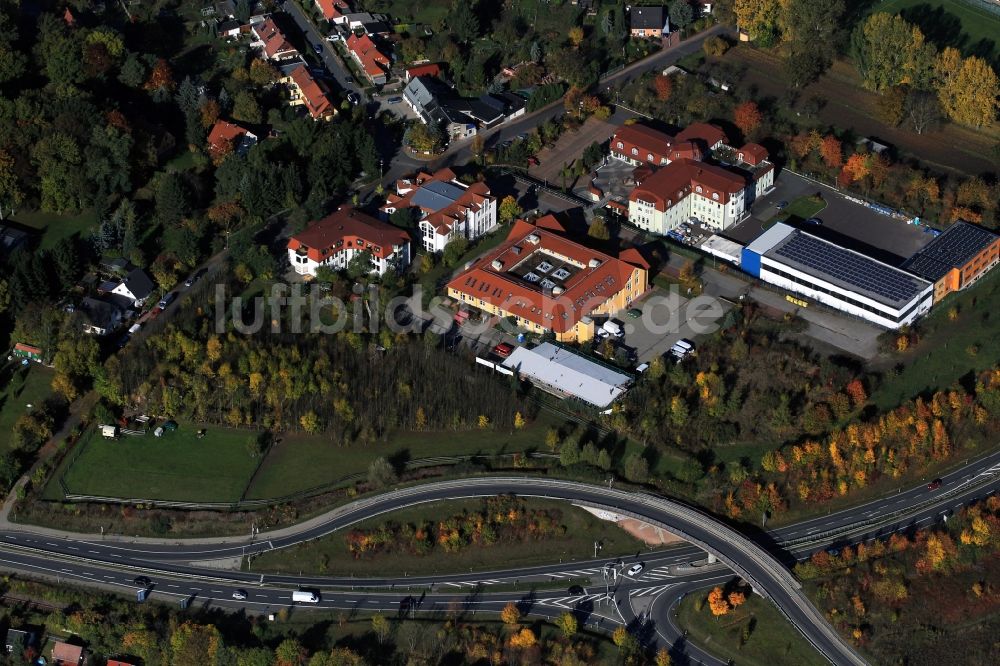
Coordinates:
<point>844,222</point>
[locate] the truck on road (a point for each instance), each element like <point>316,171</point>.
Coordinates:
<point>305,597</point>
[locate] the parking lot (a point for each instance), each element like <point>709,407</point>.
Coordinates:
<point>668,317</point>
<point>843,221</point>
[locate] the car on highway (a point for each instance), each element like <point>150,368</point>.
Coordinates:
<point>305,596</point>
<point>576,590</point>
<point>635,569</point>
<point>240,595</point>
<point>781,205</point>
<point>142,581</point>
<point>934,485</point>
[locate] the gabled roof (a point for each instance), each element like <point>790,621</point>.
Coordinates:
<point>753,153</point>
<point>315,98</point>
<point>648,18</point>
<point>595,278</point>
<point>342,229</point>
<point>224,132</point>
<point>373,61</point>
<point>274,40</point>
<point>332,9</point>
<point>707,133</point>
<point>138,283</point>
<point>440,198</point>
<point>667,186</point>
<point>101,314</point>
<point>428,69</point>
<point>66,653</point>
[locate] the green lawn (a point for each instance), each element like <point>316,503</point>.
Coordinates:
<point>948,349</point>
<point>177,466</point>
<point>772,641</point>
<point>301,462</point>
<point>330,555</point>
<point>19,387</point>
<point>55,227</point>
<point>800,209</point>
<point>951,23</point>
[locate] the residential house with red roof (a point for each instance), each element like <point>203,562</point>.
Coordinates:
<point>339,237</point>
<point>269,38</point>
<point>427,69</point>
<point>332,9</point>
<point>66,654</point>
<point>754,159</point>
<point>687,188</point>
<point>228,137</point>
<point>305,90</point>
<point>372,62</point>
<point>549,283</point>
<point>639,144</point>
<point>448,208</point>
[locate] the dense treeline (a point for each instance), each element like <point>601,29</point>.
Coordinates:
<point>503,519</point>
<point>930,595</point>
<point>350,384</point>
<point>747,385</point>
<point>111,626</point>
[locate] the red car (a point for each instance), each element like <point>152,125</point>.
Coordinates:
<point>532,161</point>
<point>155,312</point>
<point>934,485</point>
<point>503,350</point>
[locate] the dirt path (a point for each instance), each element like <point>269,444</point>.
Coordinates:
<point>848,106</point>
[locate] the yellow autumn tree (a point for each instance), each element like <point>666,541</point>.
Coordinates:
<point>523,639</point>
<point>510,614</point>
<point>756,17</point>
<point>969,96</point>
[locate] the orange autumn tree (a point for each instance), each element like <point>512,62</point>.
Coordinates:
<point>832,152</point>
<point>856,167</point>
<point>736,599</point>
<point>510,614</point>
<point>747,117</point>
<point>523,639</point>
<point>717,602</point>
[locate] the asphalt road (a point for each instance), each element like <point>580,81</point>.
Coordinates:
<point>329,57</point>
<point>667,573</point>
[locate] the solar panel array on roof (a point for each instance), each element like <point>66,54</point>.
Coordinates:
<point>856,271</point>
<point>953,249</point>
<point>436,195</point>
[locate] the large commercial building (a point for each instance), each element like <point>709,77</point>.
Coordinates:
<point>835,276</point>
<point>336,239</point>
<point>956,258</point>
<point>548,283</point>
<point>687,188</point>
<point>448,209</point>
<point>567,374</point>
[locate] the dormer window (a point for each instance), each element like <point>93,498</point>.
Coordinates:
<point>715,195</point>
<point>620,145</point>
<point>649,156</point>
<point>635,151</point>
<point>698,189</point>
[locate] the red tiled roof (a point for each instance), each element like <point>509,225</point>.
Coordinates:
<point>583,292</point>
<point>676,180</point>
<point>332,9</point>
<point>224,131</point>
<point>272,37</point>
<point>373,61</point>
<point>429,69</point>
<point>634,256</point>
<point>710,134</point>
<point>66,653</point>
<point>645,140</point>
<point>473,197</point>
<point>315,97</point>
<point>754,153</point>
<point>20,346</point>
<point>346,227</point>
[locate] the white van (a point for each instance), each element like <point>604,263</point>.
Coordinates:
<point>305,597</point>
<point>686,345</point>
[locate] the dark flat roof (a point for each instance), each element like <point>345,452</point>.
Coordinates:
<point>847,269</point>
<point>954,248</point>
